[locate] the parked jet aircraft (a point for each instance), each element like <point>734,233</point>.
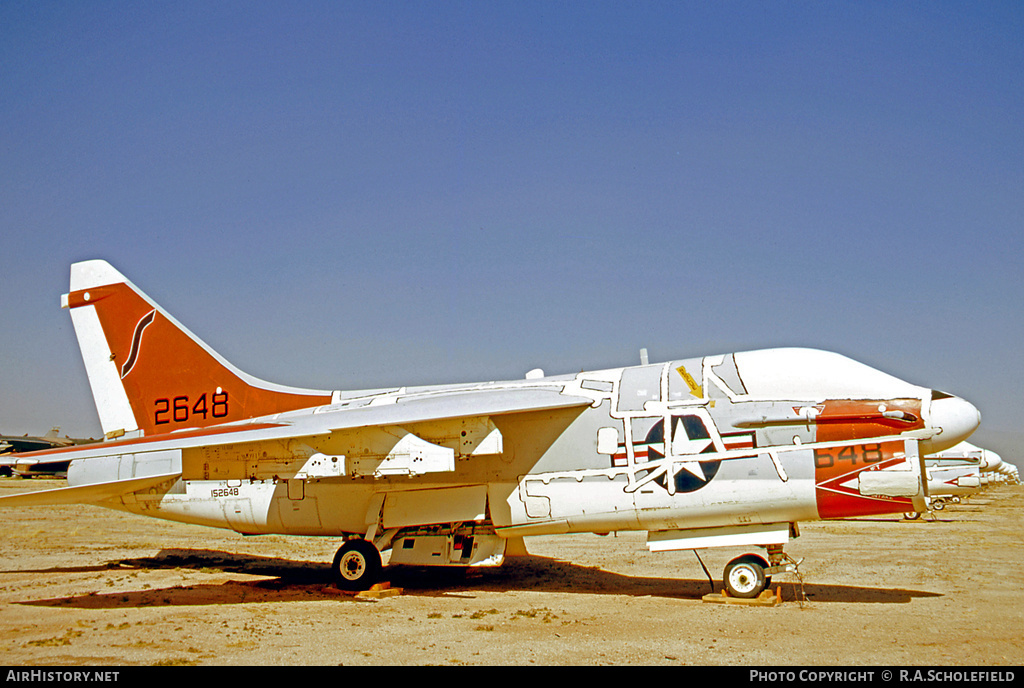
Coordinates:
<point>10,444</point>
<point>13,446</point>
<point>961,471</point>
<point>985,461</point>
<point>727,450</point>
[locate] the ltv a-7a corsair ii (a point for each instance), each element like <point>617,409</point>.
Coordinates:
<point>729,450</point>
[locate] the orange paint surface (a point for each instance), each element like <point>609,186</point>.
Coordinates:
<point>844,419</point>
<point>171,381</point>
<point>836,472</point>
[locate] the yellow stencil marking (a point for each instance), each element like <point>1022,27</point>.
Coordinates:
<point>695,389</point>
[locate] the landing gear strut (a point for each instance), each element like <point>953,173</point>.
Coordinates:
<point>357,565</point>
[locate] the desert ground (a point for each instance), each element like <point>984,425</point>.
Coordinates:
<point>83,586</point>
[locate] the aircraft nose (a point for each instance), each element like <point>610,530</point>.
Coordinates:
<point>954,418</point>
<point>990,461</point>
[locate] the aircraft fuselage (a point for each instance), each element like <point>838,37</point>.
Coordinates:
<point>678,446</point>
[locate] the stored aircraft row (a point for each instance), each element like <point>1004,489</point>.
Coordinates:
<point>730,450</point>
<point>961,471</point>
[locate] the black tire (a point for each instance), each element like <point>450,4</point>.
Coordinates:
<point>357,565</point>
<point>744,576</point>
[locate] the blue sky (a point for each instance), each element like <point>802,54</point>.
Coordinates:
<point>364,194</point>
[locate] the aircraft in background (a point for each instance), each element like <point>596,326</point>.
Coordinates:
<point>985,461</point>
<point>719,451</point>
<point>13,443</point>
<point>12,446</point>
<point>961,471</point>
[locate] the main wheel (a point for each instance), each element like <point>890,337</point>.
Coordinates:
<point>744,576</point>
<point>357,565</point>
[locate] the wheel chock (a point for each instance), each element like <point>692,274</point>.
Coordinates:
<point>376,592</point>
<point>767,598</point>
<point>379,590</point>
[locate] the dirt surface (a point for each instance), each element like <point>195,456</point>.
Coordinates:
<point>88,586</point>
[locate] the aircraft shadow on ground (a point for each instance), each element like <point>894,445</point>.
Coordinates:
<point>292,581</point>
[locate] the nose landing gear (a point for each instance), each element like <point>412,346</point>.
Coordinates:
<point>748,575</point>
<point>744,576</point>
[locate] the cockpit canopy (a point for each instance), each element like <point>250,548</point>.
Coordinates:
<point>810,373</point>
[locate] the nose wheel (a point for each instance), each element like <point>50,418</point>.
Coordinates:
<point>357,565</point>
<point>745,576</point>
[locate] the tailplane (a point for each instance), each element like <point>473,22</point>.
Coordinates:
<point>149,374</point>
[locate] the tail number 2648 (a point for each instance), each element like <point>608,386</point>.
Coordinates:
<point>181,409</point>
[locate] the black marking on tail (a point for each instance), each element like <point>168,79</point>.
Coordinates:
<point>133,355</point>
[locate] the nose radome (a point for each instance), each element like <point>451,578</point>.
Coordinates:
<point>954,418</point>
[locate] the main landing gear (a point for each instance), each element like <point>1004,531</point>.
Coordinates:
<point>748,575</point>
<point>357,565</point>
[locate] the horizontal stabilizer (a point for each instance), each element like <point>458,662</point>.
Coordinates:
<point>87,494</point>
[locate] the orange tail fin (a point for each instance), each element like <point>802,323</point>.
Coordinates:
<point>149,374</point>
